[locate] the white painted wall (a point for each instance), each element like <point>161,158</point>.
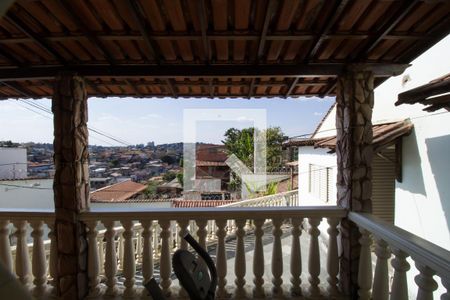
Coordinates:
<point>309,155</point>
<point>13,163</point>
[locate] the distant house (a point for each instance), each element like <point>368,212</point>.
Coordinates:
<point>99,182</point>
<point>170,189</point>
<point>210,163</point>
<point>13,163</point>
<point>121,191</point>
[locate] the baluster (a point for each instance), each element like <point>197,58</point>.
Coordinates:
<point>202,232</point>
<point>314,257</point>
<point>120,249</point>
<point>147,254</point>
<point>53,260</point>
<point>446,284</point>
<point>332,258</point>
<point>424,280</point>
<point>239,262</point>
<point>165,259</point>
<point>296,258</point>
<point>183,224</point>
<point>209,231</point>
<point>5,246</point>
<point>22,256</point>
<point>129,262</point>
<point>221,259</point>
<point>258,260</point>
<point>213,229</point>
<point>93,261</point>
<point>139,245</point>
<point>39,263</point>
<point>110,259</point>
<point>399,290</point>
<point>101,254</point>
<point>380,290</point>
<point>277,258</point>
<point>229,227</point>
<point>365,265</point>
<point>155,239</point>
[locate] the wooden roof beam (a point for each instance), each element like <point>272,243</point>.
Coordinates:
<point>204,29</point>
<point>87,33</point>
<point>34,36</point>
<point>291,87</point>
<point>251,88</point>
<point>16,87</point>
<point>130,84</point>
<point>171,87</point>
<point>143,29</point>
<point>11,58</point>
<point>204,71</point>
<point>397,17</point>
<point>262,40</point>
<point>336,13</point>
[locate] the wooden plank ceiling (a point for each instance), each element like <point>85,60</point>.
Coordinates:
<point>209,48</point>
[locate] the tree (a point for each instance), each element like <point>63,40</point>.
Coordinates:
<point>150,191</point>
<point>241,144</point>
<point>168,159</point>
<point>169,176</point>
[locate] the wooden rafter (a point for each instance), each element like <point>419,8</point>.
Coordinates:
<point>145,32</point>
<point>87,33</point>
<point>262,40</point>
<point>292,87</point>
<point>35,37</point>
<point>251,88</point>
<point>204,29</point>
<point>336,13</point>
<point>394,20</point>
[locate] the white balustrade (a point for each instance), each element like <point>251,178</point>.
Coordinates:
<point>110,259</point>
<point>39,263</point>
<point>221,259</point>
<point>165,263</point>
<point>314,257</point>
<point>23,270</point>
<point>93,262</point>
<point>129,267</point>
<point>332,258</point>
<point>296,257</point>
<point>147,253</point>
<point>239,262</point>
<point>429,259</point>
<point>258,257</point>
<point>277,258</point>
<point>365,266</point>
<point>5,247</point>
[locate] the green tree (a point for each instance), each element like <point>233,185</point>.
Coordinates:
<point>241,144</point>
<point>180,178</point>
<point>168,159</point>
<point>169,176</point>
<point>150,191</point>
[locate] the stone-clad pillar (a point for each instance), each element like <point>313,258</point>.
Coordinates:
<point>354,161</point>
<point>71,184</point>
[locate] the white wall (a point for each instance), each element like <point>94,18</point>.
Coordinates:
<point>309,155</point>
<point>13,163</point>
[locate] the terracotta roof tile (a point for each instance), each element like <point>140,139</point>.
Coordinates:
<point>118,192</point>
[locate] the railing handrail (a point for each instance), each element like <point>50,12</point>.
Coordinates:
<point>431,255</point>
<point>214,213</point>
<point>13,214</point>
<point>259,199</point>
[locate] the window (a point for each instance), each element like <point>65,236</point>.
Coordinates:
<point>319,182</point>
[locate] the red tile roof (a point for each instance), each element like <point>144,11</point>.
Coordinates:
<point>200,203</point>
<point>118,192</point>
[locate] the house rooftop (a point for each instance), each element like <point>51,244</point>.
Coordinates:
<point>384,134</point>
<point>118,192</point>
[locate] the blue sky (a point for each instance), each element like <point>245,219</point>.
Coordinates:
<point>159,120</point>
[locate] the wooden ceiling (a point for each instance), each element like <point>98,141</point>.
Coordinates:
<point>209,48</point>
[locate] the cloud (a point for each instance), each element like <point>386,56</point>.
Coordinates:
<point>317,113</point>
<point>151,116</point>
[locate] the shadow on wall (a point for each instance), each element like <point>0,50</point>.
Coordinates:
<point>412,166</point>
<point>439,157</point>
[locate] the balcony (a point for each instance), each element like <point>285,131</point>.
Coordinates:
<point>281,251</point>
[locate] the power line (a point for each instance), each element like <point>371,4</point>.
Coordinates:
<point>97,131</point>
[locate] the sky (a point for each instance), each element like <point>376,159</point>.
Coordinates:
<point>137,121</point>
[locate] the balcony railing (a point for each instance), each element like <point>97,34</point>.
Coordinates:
<point>126,244</point>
